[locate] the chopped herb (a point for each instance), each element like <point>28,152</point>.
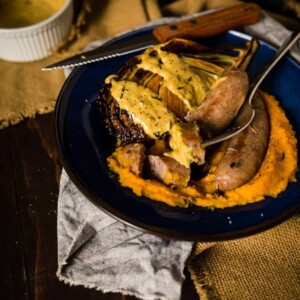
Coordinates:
<point>180,88</point>
<point>153,53</point>
<point>155,97</point>
<point>191,200</point>
<point>112,175</point>
<point>157,134</point>
<point>282,156</point>
<point>185,201</point>
<point>235,164</point>
<point>189,79</point>
<point>122,92</point>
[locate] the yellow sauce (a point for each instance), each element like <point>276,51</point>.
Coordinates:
<point>21,13</point>
<point>178,75</point>
<point>145,107</point>
<point>180,79</point>
<point>276,172</point>
<point>180,151</point>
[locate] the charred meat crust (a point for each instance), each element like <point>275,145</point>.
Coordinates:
<point>181,46</point>
<point>117,121</point>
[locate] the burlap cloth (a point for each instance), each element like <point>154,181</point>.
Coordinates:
<point>263,266</point>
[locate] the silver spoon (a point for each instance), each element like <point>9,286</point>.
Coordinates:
<point>247,112</point>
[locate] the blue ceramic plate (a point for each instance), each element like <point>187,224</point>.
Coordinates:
<point>84,146</point>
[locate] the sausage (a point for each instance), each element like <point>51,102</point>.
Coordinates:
<point>133,156</point>
<point>168,170</point>
<point>221,103</point>
<point>242,156</point>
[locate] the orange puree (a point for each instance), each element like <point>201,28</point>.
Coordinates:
<point>276,172</point>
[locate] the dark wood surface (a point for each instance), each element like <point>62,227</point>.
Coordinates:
<point>30,170</point>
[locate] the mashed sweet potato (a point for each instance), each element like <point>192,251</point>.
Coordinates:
<point>276,172</point>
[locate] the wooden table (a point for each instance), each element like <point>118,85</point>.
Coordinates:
<point>30,170</point>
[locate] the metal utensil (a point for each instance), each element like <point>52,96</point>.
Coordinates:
<point>201,26</point>
<point>247,112</point>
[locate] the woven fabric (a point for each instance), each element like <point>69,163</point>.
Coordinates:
<point>263,266</point>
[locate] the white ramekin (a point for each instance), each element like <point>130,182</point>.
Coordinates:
<point>37,41</point>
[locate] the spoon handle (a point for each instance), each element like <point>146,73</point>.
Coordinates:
<point>280,53</point>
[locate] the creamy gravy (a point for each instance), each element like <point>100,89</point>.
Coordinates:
<point>21,13</point>
<point>144,106</point>
<point>179,78</point>
<point>180,151</point>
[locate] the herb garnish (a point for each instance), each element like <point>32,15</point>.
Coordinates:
<point>235,164</point>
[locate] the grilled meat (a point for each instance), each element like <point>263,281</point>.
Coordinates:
<point>166,84</point>
<point>133,157</point>
<point>119,122</point>
<point>185,142</point>
<point>169,171</point>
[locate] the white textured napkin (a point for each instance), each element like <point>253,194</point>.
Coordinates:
<point>96,251</point>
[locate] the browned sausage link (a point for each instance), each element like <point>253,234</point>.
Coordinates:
<point>243,155</point>
<point>221,103</point>
<point>133,156</point>
<point>168,170</point>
